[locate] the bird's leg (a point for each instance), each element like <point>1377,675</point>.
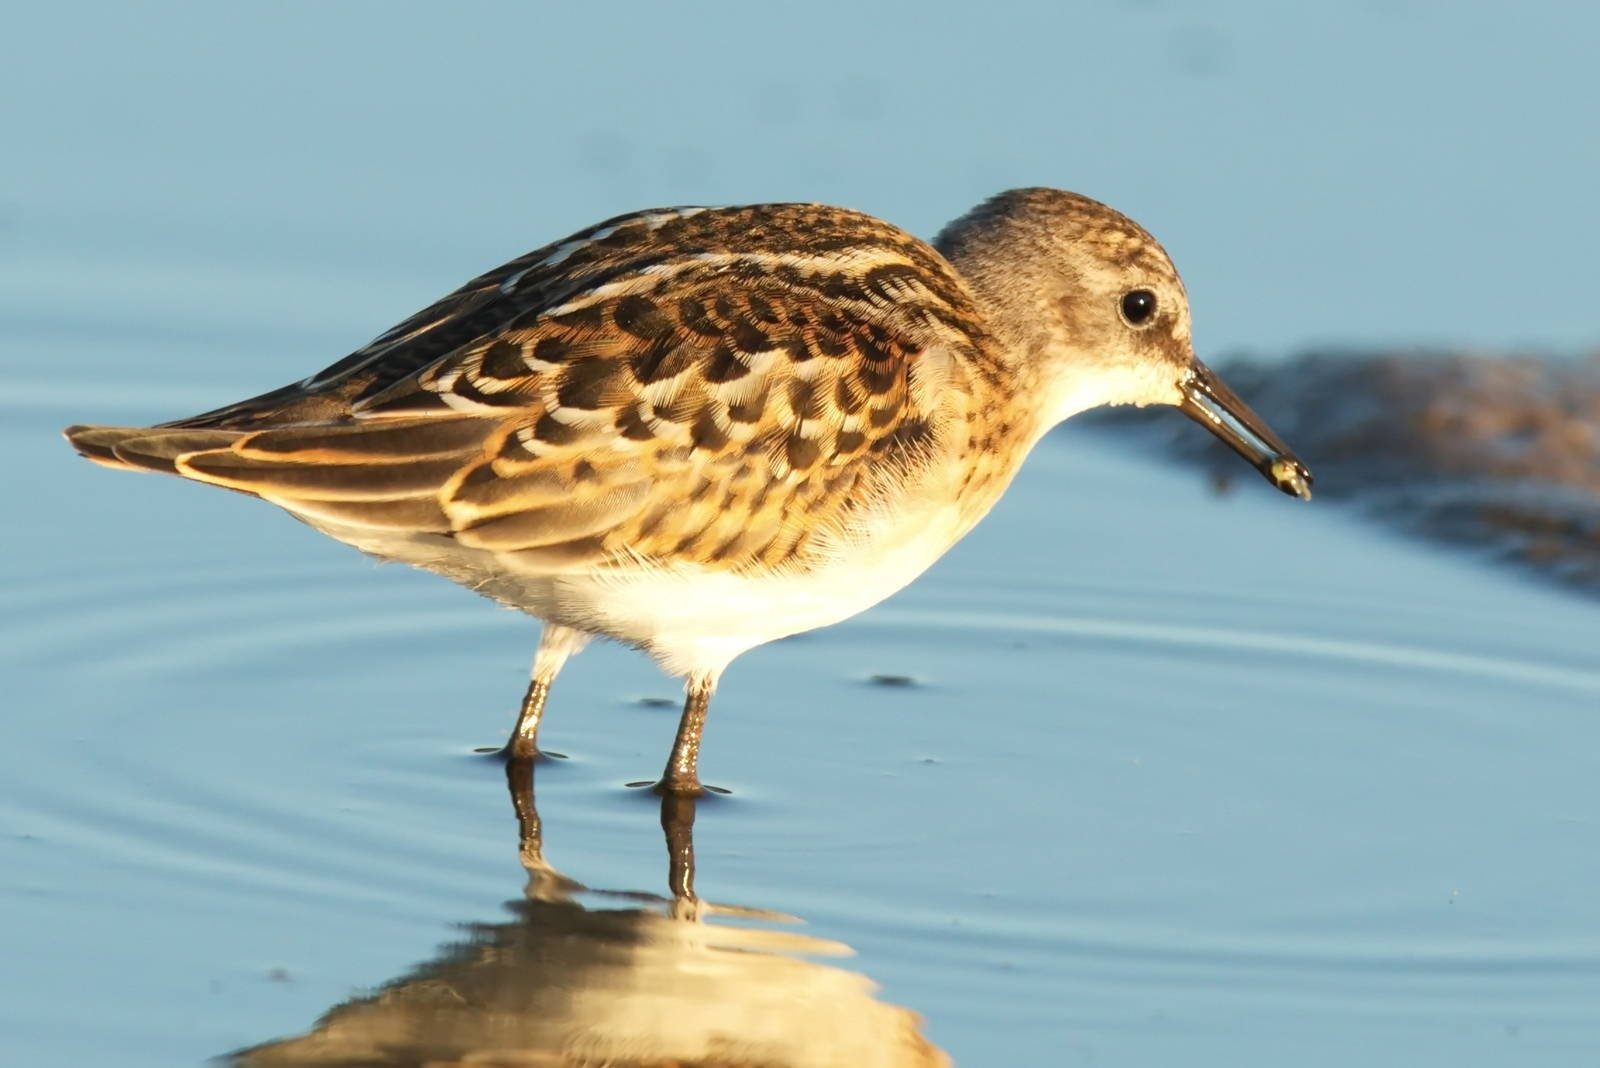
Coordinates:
<point>523,743</point>
<point>682,775</point>
<point>556,644</point>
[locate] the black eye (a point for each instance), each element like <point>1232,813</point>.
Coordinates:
<point>1138,306</point>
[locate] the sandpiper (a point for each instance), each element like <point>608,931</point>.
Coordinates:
<point>697,430</point>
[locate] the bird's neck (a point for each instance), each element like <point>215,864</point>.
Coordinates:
<point>985,443</point>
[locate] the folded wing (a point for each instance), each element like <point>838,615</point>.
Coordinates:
<point>680,385</point>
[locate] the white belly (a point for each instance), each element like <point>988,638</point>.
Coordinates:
<point>692,619</point>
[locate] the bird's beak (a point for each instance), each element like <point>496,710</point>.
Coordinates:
<point>1214,406</point>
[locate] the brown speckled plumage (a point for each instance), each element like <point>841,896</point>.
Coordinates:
<point>675,385</point>
<point>699,429</point>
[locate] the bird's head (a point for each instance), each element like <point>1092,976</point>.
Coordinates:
<point>1092,312</point>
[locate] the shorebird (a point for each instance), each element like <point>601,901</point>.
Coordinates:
<point>697,430</point>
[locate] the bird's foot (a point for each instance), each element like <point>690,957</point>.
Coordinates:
<point>672,787</point>
<point>514,751</point>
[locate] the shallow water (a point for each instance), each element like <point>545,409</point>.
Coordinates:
<point>1136,774</point>
<point>1149,776</point>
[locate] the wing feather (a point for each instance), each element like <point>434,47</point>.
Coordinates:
<point>406,515</point>
<point>286,477</point>
<point>683,385</point>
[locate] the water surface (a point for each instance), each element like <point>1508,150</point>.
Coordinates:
<point>1164,775</point>
<point>1148,775</point>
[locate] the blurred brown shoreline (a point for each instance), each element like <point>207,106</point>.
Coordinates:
<point>1500,452</point>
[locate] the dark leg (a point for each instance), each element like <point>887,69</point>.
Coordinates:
<point>523,744</point>
<point>682,775</point>
<point>556,644</point>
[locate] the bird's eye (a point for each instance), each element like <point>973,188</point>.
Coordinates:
<point>1138,306</point>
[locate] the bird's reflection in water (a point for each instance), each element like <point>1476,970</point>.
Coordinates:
<point>655,982</point>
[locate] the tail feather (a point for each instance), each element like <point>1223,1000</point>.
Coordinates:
<point>384,476</point>
<point>144,448</point>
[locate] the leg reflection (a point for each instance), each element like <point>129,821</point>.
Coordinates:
<point>571,975</point>
<point>544,882</point>
<point>677,823</point>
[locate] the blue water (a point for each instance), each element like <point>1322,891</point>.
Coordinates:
<point>1224,778</point>
<point>1178,777</point>
<point>1345,173</point>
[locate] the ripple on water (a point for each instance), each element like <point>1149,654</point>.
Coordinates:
<point>1277,643</point>
<point>1139,825</point>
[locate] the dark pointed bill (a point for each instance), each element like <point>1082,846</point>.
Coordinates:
<point>1214,406</point>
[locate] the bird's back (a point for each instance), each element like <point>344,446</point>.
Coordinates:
<point>725,388</point>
